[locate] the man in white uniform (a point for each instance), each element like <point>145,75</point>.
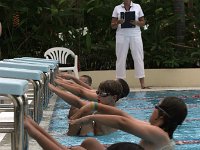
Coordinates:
<point>129,37</point>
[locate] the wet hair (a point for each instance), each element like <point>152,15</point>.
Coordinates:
<point>177,112</point>
<point>111,86</point>
<point>125,87</point>
<point>88,79</point>
<point>125,146</point>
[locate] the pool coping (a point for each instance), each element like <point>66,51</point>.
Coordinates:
<point>164,88</point>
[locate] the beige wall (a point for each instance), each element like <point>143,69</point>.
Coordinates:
<point>154,77</point>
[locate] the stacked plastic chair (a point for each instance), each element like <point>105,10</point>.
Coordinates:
<point>62,55</point>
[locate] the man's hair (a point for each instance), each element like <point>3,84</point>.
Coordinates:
<point>111,86</point>
<point>125,86</point>
<point>125,146</point>
<point>89,79</point>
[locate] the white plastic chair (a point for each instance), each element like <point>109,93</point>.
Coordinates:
<point>61,54</point>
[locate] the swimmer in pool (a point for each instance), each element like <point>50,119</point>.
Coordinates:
<point>85,93</point>
<point>48,143</point>
<point>85,81</point>
<point>108,93</point>
<point>168,114</point>
<point>82,91</point>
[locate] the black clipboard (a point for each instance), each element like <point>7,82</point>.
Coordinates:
<point>127,16</point>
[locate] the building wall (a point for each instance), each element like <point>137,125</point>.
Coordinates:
<point>154,77</point>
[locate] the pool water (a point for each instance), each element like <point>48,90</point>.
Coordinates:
<point>140,105</point>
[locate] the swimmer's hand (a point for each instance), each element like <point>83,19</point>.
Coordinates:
<point>52,87</point>
<point>83,110</point>
<point>61,81</point>
<point>65,75</point>
<point>58,77</point>
<point>81,121</point>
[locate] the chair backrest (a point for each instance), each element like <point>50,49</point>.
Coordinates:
<point>59,53</point>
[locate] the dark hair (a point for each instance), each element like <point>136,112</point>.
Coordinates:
<point>125,146</point>
<point>111,86</point>
<point>89,79</point>
<point>125,86</point>
<point>177,112</point>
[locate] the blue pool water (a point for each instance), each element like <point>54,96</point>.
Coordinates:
<point>140,105</point>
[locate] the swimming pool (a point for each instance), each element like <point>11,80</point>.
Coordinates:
<point>140,105</point>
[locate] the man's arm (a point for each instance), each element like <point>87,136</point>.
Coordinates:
<point>140,22</point>
<point>115,22</point>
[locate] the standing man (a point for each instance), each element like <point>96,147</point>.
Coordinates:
<point>128,35</point>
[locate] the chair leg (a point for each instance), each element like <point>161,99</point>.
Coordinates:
<point>76,73</point>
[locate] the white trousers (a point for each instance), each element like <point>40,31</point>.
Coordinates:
<point>123,43</point>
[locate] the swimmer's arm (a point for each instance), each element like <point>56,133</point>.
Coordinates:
<point>101,108</point>
<point>82,83</point>
<point>75,79</point>
<point>89,95</point>
<point>133,126</point>
<point>67,97</point>
<point>110,110</point>
<point>80,130</point>
<point>69,86</point>
<point>130,125</point>
<point>78,90</point>
<point>73,130</point>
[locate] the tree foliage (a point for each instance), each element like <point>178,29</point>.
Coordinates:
<point>31,27</point>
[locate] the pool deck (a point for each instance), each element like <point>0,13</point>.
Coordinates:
<point>47,114</point>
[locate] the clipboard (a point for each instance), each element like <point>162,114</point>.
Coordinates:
<point>127,16</point>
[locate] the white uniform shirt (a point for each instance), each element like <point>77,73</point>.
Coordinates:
<point>138,13</point>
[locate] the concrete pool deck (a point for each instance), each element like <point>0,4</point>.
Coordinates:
<point>158,79</point>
